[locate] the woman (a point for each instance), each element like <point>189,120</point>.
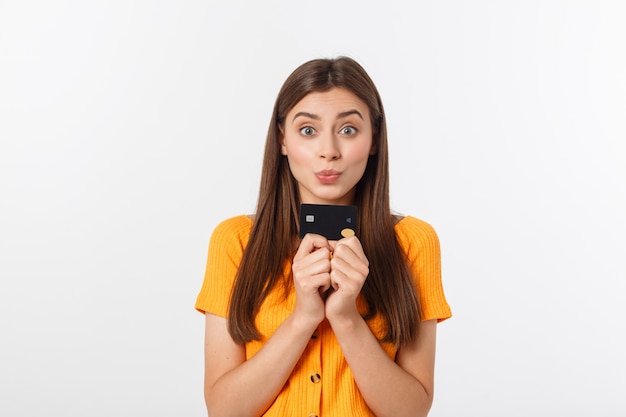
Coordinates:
<point>313,327</point>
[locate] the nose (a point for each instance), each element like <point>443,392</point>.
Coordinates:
<point>329,148</point>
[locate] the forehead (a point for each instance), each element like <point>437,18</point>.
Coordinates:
<point>330,103</point>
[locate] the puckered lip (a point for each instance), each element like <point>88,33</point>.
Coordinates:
<point>327,173</point>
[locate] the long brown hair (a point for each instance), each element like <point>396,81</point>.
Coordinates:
<point>389,288</point>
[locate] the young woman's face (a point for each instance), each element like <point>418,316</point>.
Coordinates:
<point>327,138</point>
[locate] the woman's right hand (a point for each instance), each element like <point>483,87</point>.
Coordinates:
<point>311,276</point>
<point>229,375</point>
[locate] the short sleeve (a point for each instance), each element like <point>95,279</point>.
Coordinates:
<point>421,246</point>
<point>226,247</point>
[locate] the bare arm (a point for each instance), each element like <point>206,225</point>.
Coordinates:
<point>234,386</point>
<point>400,388</point>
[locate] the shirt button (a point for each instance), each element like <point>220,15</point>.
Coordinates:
<point>312,415</point>
<point>314,336</point>
<point>315,378</point>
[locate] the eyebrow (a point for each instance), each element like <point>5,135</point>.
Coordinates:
<point>316,117</point>
<point>305,114</point>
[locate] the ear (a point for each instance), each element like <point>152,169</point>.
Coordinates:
<point>281,141</point>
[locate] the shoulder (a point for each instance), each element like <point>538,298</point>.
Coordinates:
<point>414,232</point>
<point>232,231</point>
<point>237,224</point>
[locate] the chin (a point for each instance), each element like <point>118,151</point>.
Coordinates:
<point>327,195</point>
<point>340,200</point>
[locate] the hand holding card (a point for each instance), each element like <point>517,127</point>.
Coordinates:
<point>331,221</point>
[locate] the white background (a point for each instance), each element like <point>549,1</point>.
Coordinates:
<point>129,129</point>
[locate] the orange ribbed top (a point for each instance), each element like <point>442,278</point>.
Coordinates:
<point>321,383</point>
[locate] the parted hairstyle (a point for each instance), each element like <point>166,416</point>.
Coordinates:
<point>389,289</point>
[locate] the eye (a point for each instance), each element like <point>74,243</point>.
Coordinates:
<point>307,131</point>
<point>348,131</point>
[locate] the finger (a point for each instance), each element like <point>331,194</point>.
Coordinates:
<point>334,280</point>
<point>350,248</point>
<point>322,289</point>
<point>314,284</point>
<point>315,267</point>
<point>349,284</point>
<point>310,243</point>
<point>346,263</point>
<point>353,243</point>
<point>313,263</point>
<point>349,264</point>
<point>317,281</point>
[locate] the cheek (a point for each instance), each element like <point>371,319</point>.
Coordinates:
<point>297,154</point>
<point>361,152</point>
<point>294,160</point>
<point>296,163</point>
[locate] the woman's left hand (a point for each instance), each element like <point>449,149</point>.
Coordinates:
<point>349,269</point>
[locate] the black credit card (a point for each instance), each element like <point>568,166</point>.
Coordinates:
<point>331,221</point>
